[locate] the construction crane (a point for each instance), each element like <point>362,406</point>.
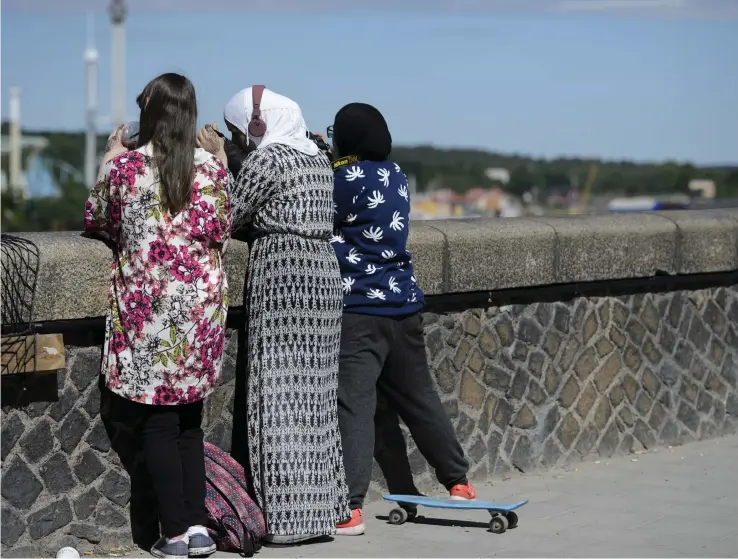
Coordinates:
<point>586,192</point>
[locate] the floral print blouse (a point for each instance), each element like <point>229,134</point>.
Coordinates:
<point>168,295</point>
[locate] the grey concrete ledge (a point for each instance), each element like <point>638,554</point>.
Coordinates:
<point>454,256</point>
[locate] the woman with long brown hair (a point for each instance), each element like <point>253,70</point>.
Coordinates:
<point>165,208</point>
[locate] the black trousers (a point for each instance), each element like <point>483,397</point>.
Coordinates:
<point>383,359</point>
<point>174,450</point>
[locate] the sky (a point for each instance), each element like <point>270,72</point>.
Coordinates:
<point>645,80</point>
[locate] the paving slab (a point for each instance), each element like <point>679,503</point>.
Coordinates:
<point>670,502</point>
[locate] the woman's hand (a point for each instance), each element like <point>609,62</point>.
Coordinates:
<point>319,135</point>
<point>115,145</point>
<point>212,142</point>
<point>325,147</point>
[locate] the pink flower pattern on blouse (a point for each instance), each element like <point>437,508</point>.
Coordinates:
<point>168,297</point>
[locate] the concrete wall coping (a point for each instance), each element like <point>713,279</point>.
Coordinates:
<point>453,256</point>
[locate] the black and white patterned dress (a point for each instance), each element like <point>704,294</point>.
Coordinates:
<point>294,304</point>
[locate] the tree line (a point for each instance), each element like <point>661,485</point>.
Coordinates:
<point>462,169</point>
<point>455,169</point>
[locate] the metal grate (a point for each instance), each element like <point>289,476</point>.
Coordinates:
<point>20,262</point>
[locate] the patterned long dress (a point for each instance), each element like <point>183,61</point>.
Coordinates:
<point>168,295</point>
<point>294,304</point>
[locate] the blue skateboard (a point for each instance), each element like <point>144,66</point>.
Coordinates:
<point>503,515</point>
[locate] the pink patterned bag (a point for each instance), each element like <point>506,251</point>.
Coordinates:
<point>235,521</point>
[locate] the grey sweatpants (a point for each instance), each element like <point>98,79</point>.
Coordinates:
<point>385,356</point>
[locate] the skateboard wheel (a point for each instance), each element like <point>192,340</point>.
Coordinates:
<point>498,525</point>
<point>512,519</point>
<point>411,510</point>
<point>398,516</point>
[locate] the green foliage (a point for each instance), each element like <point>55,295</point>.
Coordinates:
<point>457,169</point>
<point>68,147</point>
<point>45,213</point>
<point>52,213</point>
<point>461,170</point>
<point>14,214</point>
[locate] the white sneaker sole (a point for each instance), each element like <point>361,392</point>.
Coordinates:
<point>199,551</point>
<point>457,498</point>
<point>159,553</point>
<point>357,530</point>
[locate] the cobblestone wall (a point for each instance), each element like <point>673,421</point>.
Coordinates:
<point>544,385</point>
<point>527,387</point>
<point>63,483</point>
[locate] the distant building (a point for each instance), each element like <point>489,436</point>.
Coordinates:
<point>702,188</point>
<point>475,202</point>
<point>647,204</point>
<point>30,148</point>
<point>498,174</point>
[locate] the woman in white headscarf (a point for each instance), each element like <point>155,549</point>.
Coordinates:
<point>283,198</point>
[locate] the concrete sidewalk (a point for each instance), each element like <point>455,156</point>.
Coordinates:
<point>672,502</point>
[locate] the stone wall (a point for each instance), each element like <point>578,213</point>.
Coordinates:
<point>67,465</point>
<point>527,386</point>
<point>547,384</point>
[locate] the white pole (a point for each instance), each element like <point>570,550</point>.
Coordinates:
<point>15,139</point>
<point>118,15</point>
<point>91,61</point>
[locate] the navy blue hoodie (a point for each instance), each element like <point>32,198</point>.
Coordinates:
<point>372,214</point>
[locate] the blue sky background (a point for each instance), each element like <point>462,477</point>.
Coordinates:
<point>578,80</point>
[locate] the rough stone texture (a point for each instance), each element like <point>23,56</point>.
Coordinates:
<point>453,256</point>
<point>67,257</point>
<point>62,481</point>
<point>527,387</point>
<point>561,381</point>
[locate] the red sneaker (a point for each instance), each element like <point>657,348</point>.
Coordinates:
<point>463,492</point>
<point>354,526</point>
